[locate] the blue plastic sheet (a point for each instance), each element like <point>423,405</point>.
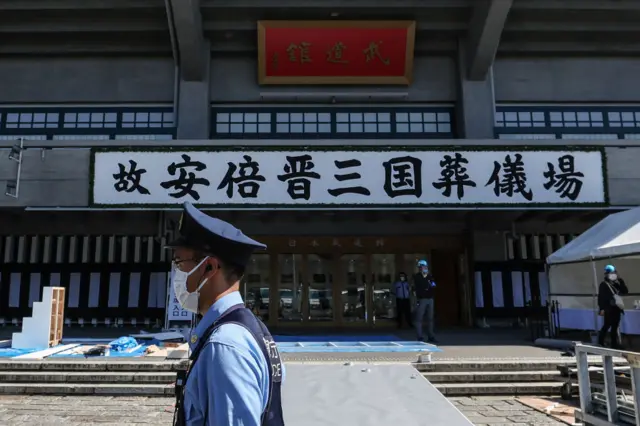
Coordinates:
<point>123,344</point>
<point>10,353</point>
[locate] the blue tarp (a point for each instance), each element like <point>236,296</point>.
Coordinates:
<point>10,353</point>
<point>337,338</point>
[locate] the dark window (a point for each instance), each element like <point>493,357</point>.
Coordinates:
<point>332,123</point>
<point>567,122</point>
<point>94,123</point>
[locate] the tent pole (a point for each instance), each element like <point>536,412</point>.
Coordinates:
<point>595,296</point>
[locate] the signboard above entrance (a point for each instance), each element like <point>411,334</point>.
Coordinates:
<point>340,178</point>
<point>335,52</point>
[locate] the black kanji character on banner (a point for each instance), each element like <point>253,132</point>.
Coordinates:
<point>183,185</point>
<point>454,173</point>
<point>297,174</point>
<point>514,178</point>
<point>247,182</point>
<point>568,183</point>
<point>129,181</point>
<point>403,176</point>
<point>348,176</point>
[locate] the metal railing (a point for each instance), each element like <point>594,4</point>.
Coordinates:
<point>617,409</point>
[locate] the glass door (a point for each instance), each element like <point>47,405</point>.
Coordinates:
<point>256,286</point>
<point>320,300</point>
<point>383,276</point>
<point>290,279</point>
<point>354,293</point>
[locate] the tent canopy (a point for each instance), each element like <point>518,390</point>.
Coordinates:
<point>617,235</point>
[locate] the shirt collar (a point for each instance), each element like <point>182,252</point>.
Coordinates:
<point>214,312</point>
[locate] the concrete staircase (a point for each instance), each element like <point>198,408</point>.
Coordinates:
<point>89,377</point>
<point>498,377</point>
<point>156,377</point>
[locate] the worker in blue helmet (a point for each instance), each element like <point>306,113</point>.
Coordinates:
<point>425,287</point>
<point>611,305</point>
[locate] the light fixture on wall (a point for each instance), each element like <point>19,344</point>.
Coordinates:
<point>11,189</point>
<point>15,154</point>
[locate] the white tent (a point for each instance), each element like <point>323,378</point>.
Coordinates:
<point>616,235</point>
<point>576,270</point>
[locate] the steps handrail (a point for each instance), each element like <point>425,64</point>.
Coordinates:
<point>587,408</point>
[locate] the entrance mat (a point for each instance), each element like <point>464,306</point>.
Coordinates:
<point>355,346</point>
<point>336,338</point>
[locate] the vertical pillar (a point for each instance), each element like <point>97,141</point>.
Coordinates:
<point>194,103</point>
<point>475,107</point>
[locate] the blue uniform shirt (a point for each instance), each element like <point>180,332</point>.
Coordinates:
<point>229,384</point>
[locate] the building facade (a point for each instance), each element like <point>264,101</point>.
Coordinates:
<point>487,135</point>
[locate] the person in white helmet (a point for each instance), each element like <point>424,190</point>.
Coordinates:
<point>425,287</point>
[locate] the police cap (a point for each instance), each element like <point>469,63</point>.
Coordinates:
<point>214,237</point>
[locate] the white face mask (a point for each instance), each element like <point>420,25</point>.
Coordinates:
<point>613,277</point>
<point>188,301</point>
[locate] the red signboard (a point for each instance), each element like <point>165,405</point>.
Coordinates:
<point>335,52</point>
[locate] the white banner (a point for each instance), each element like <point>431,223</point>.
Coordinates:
<point>174,310</point>
<point>348,178</point>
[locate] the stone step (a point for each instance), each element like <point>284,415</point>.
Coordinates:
<point>492,376</point>
<point>153,389</point>
<point>137,389</point>
<point>475,389</point>
<point>89,365</point>
<point>116,377</point>
<point>502,365</point>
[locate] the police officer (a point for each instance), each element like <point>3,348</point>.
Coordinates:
<point>235,374</point>
<point>402,291</point>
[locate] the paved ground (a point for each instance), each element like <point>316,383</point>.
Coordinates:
<point>76,411</point>
<point>495,411</point>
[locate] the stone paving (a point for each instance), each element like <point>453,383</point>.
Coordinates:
<point>497,411</point>
<point>81,410</point>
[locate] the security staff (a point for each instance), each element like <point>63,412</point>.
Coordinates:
<point>425,291</point>
<point>611,289</point>
<point>236,373</point>
<point>403,296</point>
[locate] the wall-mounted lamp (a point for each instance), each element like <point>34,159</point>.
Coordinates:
<point>16,151</point>
<point>11,189</point>
<point>15,154</point>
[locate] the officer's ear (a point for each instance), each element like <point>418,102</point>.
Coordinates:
<point>210,267</point>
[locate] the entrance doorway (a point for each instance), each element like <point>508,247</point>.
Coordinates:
<point>345,282</point>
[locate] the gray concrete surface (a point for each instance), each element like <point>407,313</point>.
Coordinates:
<point>494,411</point>
<point>121,411</point>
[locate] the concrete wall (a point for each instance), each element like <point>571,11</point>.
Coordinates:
<point>624,176</point>
<point>235,79</point>
<point>90,80</point>
<point>567,80</point>
<point>51,178</point>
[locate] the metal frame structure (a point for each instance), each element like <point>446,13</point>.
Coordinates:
<point>587,411</point>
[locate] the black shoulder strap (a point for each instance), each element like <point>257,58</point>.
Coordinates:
<point>236,315</point>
